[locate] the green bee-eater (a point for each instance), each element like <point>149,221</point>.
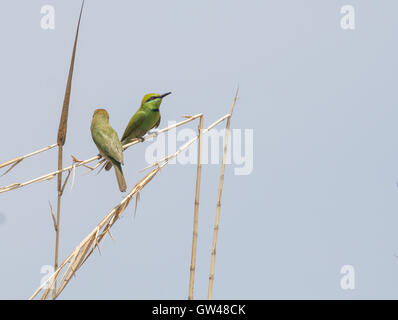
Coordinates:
<point>108,143</point>
<point>146,118</point>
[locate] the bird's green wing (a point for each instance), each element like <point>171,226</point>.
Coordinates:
<point>108,143</point>
<point>134,123</point>
<point>157,123</point>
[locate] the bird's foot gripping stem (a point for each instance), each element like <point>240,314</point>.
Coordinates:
<point>153,132</point>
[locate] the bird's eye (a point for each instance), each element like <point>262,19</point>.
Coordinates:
<point>151,98</point>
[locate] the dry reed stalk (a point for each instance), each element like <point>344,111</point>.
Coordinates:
<point>78,163</point>
<point>61,137</point>
<point>80,254</point>
<point>218,210</point>
<point>196,213</point>
<point>18,160</point>
<point>48,176</point>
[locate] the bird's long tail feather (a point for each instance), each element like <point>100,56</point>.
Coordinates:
<point>120,177</point>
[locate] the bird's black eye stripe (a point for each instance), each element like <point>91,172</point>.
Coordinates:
<point>152,98</point>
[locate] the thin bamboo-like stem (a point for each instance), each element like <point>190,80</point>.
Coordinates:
<point>57,228</point>
<point>218,210</point>
<point>80,254</point>
<point>196,213</point>
<point>61,137</point>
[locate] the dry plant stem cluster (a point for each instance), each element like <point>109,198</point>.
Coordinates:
<point>80,254</point>
<point>78,163</point>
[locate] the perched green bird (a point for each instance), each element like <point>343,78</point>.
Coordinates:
<point>146,118</point>
<point>108,144</point>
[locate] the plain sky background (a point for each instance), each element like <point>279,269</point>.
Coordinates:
<point>322,102</point>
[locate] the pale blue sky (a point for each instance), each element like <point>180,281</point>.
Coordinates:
<point>322,103</point>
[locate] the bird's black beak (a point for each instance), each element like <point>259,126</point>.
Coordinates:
<point>163,95</point>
